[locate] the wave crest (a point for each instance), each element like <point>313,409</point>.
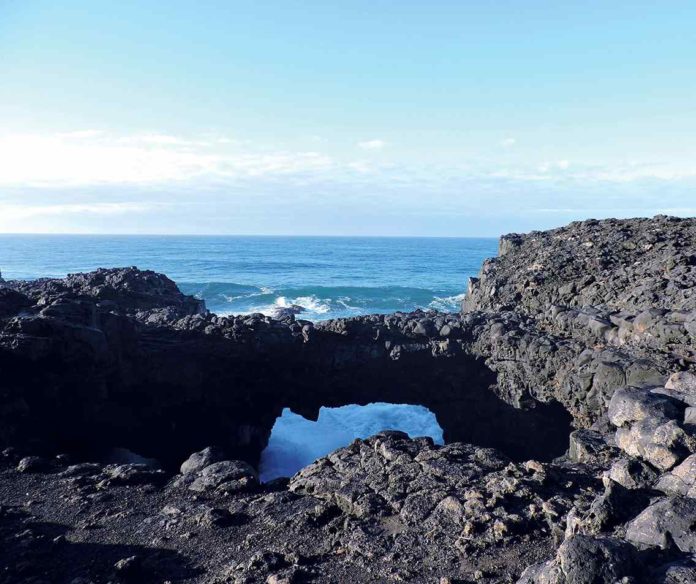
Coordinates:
<point>321,302</point>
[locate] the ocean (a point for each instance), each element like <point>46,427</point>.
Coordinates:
<point>328,276</point>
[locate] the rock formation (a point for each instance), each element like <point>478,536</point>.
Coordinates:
<point>566,388</point>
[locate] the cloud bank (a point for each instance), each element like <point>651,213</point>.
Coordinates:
<point>94,181</point>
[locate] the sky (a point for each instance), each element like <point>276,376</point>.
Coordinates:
<point>380,117</point>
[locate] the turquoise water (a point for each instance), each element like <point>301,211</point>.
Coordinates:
<point>328,276</point>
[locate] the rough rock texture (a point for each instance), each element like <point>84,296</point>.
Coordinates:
<point>669,520</point>
<point>626,265</point>
<point>150,371</point>
<point>384,509</point>
<point>566,389</point>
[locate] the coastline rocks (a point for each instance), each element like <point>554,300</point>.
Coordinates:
<point>227,476</point>
<point>282,312</point>
<point>12,302</point>
<point>472,495</point>
<point>132,474</point>
<point>584,559</point>
<point>158,380</point>
<point>199,460</point>
<point>632,473</point>
<point>629,264</point>
<point>668,521</point>
<point>566,390</point>
<point>649,426</point>
<point>125,289</point>
<point>681,480</point>
<point>467,511</point>
<point>32,464</point>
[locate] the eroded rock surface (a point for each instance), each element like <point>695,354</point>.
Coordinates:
<point>566,388</point>
<point>388,508</point>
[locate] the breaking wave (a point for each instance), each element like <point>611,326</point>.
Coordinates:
<point>320,302</point>
<point>296,442</point>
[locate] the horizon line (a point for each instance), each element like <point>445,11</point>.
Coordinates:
<point>45,234</point>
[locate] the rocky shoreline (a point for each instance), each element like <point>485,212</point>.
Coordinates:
<point>566,389</point>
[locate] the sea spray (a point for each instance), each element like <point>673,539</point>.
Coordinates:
<point>296,442</point>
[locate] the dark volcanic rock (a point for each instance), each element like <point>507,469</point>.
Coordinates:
<point>227,476</point>
<point>631,264</point>
<point>199,460</point>
<point>124,289</point>
<point>566,389</point>
<point>587,560</point>
<point>81,372</point>
<point>471,495</point>
<point>385,509</point>
<point>632,473</point>
<point>681,480</point>
<point>32,464</point>
<point>667,521</point>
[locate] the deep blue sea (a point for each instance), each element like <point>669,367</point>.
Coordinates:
<point>328,276</point>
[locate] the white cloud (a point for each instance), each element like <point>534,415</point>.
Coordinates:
<point>91,158</point>
<point>556,165</point>
<point>361,167</point>
<point>79,134</point>
<point>10,212</point>
<point>375,144</point>
<point>158,139</point>
<point>70,217</point>
<point>508,142</point>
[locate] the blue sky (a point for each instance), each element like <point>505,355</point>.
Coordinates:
<point>375,118</point>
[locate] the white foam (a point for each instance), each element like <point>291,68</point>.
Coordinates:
<point>447,303</point>
<point>309,303</point>
<point>296,442</point>
<point>263,291</point>
<point>344,300</point>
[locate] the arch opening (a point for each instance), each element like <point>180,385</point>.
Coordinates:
<point>296,442</point>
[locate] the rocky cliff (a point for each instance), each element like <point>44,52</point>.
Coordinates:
<point>566,388</point>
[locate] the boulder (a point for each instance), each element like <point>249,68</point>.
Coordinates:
<point>214,518</point>
<point>632,473</point>
<point>199,460</point>
<point>632,404</point>
<point>583,559</point>
<point>649,426</point>
<point>132,474</point>
<point>690,416</point>
<point>32,464</point>
<point>616,505</point>
<point>670,519</point>
<point>225,476</point>
<point>662,443</point>
<point>592,560</point>
<point>589,446</point>
<point>683,385</point>
<point>681,480</point>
